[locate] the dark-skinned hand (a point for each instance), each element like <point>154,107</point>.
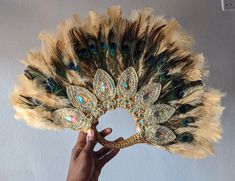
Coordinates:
<point>86,164</point>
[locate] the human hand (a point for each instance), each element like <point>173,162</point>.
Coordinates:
<point>86,164</point>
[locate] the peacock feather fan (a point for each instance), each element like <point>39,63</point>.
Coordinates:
<point>144,64</point>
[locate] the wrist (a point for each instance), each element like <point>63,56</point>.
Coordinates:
<point>78,179</point>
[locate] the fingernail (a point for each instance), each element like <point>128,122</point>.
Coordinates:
<point>90,134</point>
<point>121,138</point>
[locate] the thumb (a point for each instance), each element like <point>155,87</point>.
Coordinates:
<point>91,140</point>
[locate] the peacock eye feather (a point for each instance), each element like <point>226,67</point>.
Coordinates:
<point>184,108</point>
<point>52,87</point>
<point>174,94</point>
<point>92,44</point>
<point>112,48</point>
<point>185,137</point>
<point>93,48</point>
<point>186,121</point>
<point>83,53</point>
<point>125,49</point>
<point>72,66</point>
<point>179,88</point>
<point>138,50</point>
<point>103,45</point>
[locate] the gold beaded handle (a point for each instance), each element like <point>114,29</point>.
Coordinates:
<point>132,140</point>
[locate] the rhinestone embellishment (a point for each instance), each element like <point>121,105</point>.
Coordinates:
<point>127,83</point>
<point>160,135</point>
<point>104,86</point>
<point>71,118</point>
<point>81,98</point>
<point>148,94</point>
<point>159,113</point>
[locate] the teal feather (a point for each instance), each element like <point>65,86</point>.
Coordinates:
<point>48,83</point>
<point>178,92</point>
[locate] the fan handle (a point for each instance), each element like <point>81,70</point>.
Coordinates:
<point>132,140</point>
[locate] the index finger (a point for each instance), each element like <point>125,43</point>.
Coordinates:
<point>79,145</point>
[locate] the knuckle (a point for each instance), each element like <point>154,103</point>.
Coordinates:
<point>75,149</point>
<point>84,152</point>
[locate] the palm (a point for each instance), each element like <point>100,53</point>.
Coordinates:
<point>86,164</point>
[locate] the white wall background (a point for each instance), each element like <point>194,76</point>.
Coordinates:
<point>28,154</point>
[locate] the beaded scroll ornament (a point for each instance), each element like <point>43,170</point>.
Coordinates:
<point>144,65</point>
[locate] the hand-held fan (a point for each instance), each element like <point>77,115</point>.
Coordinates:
<point>143,64</point>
